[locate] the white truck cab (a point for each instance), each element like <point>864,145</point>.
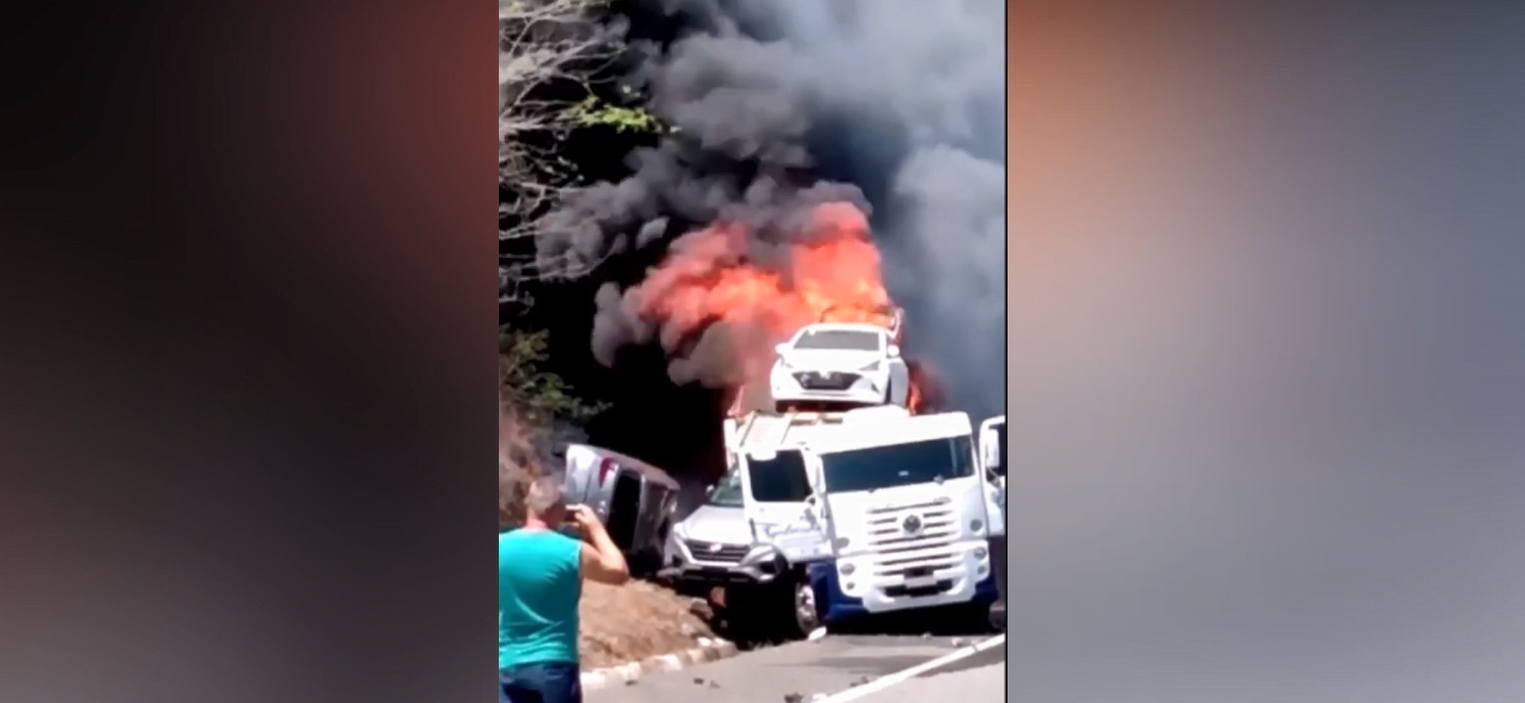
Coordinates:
<point>905,505</point>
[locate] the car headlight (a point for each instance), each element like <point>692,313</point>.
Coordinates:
<point>871,367</point>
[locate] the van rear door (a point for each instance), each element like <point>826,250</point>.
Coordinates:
<point>580,461</point>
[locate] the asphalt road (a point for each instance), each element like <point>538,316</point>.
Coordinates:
<point>845,666</point>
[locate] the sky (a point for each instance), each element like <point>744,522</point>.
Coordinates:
<point>1266,321</point>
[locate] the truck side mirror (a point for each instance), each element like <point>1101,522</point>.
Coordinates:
<point>893,351</point>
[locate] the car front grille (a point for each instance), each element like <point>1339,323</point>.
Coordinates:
<point>829,381</point>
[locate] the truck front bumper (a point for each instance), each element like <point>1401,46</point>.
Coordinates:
<point>834,605</point>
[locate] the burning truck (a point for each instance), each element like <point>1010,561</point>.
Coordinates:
<point>827,514</point>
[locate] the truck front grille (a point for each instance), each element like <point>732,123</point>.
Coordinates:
<point>915,553</point>
<point>715,552</point>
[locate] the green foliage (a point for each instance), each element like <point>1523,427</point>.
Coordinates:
<point>592,112</point>
<point>535,394</point>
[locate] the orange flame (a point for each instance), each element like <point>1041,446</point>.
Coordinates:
<point>834,276</point>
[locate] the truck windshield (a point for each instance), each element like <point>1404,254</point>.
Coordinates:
<point>780,479</point>
<point>727,493</point>
<point>898,464</point>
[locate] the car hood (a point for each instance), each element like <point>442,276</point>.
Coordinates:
<point>712,523</point>
<point>831,360</point>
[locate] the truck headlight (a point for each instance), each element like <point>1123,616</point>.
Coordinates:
<point>841,542</point>
<point>976,525</point>
<point>847,569</point>
<point>980,553</point>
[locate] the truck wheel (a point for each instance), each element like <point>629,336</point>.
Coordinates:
<point>998,618</point>
<point>805,618</point>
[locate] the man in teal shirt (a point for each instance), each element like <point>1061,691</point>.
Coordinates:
<point>540,574</point>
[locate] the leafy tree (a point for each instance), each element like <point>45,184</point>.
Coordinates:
<point>536,396</point>
<point>556,63</point>
<point>555,59</point>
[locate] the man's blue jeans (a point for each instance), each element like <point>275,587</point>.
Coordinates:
<point>545,682</point>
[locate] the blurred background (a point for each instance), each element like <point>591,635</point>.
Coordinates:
<point>1265,330</point>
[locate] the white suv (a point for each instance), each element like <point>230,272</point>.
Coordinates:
<point>840,363</point>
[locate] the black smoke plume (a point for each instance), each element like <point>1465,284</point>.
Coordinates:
<point>777,104</point>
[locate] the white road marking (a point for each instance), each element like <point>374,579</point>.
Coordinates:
<point>884,682</point>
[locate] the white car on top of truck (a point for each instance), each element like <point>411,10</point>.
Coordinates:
<point>840,363</point>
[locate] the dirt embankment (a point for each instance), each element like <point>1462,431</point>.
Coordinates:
<point>635,621</point>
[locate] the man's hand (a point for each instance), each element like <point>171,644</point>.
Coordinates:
<point>586,520</point>
<point>601,559</point>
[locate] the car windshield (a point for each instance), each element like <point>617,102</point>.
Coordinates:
<point>780,479</point>
<point>851,340</point>
<point>727,493</point>
<point>898,464</point>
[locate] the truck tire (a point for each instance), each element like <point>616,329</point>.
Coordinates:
<point>804,618</point>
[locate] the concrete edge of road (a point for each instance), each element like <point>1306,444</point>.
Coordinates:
<point>708,650</point>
